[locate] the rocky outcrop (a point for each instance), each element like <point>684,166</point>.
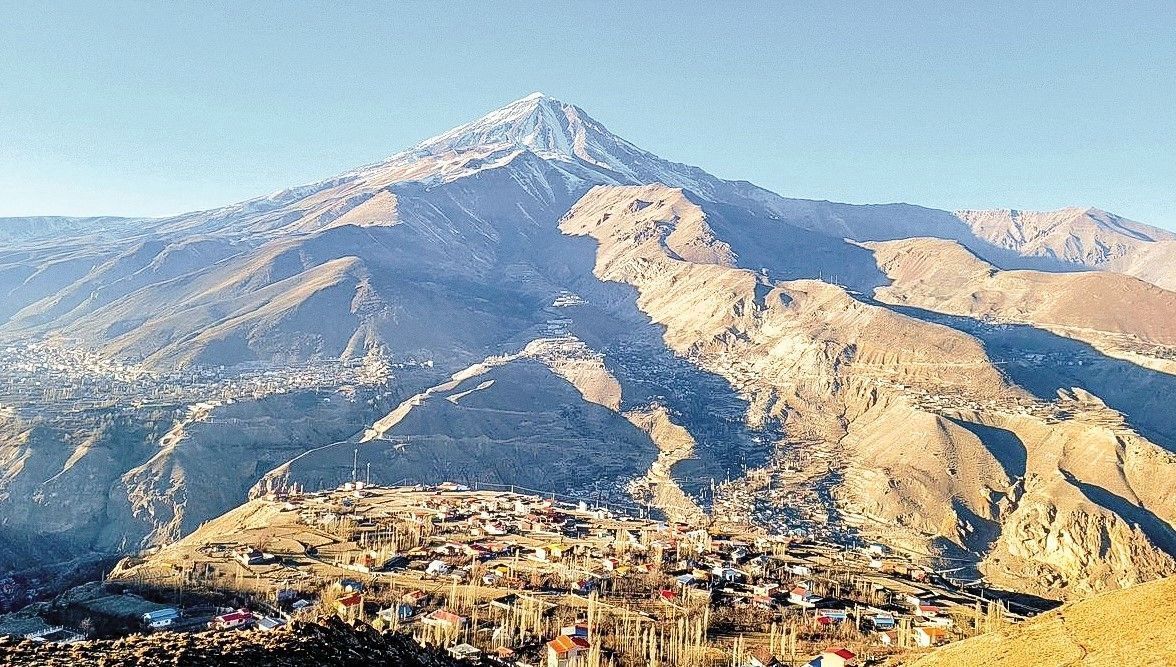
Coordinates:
<point>328,643</point>
<point>675,444</point>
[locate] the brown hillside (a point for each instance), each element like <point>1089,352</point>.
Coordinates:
<point>1132,626</point>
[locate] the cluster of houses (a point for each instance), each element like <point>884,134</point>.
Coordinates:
<point>769,573</point>
<point>226,619</point>
<point>890,601</point>
<point>410,546</point>
<point>467,527</point>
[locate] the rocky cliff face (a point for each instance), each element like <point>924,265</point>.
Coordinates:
<point>118,480</point>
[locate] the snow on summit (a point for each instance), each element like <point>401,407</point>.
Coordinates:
<point>543,125</point>
<point>536,122</point>
<point>532,138</point>
<point>562,134</point>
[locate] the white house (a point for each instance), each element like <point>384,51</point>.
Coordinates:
<point>802,597</point>
<point>929,636</point>
<point>567,651</point>
<point>160,618</point>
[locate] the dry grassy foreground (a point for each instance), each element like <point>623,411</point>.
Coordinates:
<point>1122,628</point>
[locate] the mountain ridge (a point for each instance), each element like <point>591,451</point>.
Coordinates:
<point>588,153</point>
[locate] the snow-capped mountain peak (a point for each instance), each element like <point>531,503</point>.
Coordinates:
<point>560,133</point>
<point>538,123</point>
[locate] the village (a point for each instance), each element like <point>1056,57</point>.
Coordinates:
<point>499,576</point>
<point>58,379</point>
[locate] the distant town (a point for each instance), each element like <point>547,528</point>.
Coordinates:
<point>49,378</point>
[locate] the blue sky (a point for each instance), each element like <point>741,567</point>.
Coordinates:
<point>155,108</point>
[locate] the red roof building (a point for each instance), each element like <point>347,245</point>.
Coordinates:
<point>568,643</point>
<point>231,620</point>
<point>350,601</point>
<point>445,617</point>
<point>834,657</point>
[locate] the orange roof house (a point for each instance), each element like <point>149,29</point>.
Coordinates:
<point>566,650</point>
